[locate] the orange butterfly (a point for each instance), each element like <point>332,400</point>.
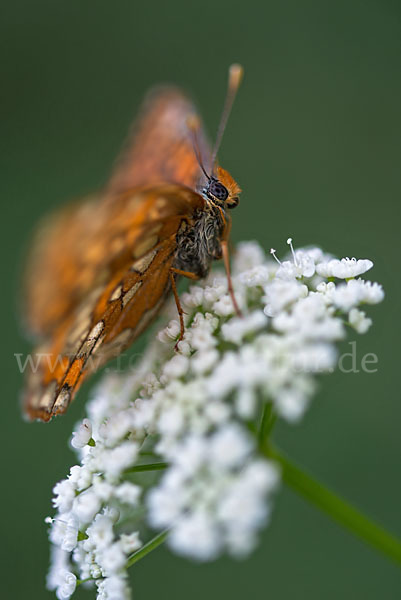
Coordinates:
<point>100,270</point>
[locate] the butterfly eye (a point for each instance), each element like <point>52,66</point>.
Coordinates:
<point>233,202</point>
<point>217,190</point>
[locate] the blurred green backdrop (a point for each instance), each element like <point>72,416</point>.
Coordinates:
<point>314,140</point>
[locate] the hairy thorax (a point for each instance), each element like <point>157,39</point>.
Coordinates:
<point>198,244</point>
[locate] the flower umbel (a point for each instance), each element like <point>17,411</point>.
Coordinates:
<point>178,444</point>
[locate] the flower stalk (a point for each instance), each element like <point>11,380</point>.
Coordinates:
<point>154,543</point>
<point>336,507</point>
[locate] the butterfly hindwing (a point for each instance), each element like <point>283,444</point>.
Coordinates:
<point>80,248</point>
<point>116,308</point>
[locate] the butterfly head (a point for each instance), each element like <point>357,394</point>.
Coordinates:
<point>222,189</point>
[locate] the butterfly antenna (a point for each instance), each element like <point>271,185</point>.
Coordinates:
<point>235,74</point>
<point>193,123</point>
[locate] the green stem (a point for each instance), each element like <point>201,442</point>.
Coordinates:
<point>154,543</point>
<point>148,467</point>
<point>336,507</point>
<point>267,423</point>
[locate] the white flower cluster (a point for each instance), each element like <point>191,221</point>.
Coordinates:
<point>213,495</point>
<point>195,412</point>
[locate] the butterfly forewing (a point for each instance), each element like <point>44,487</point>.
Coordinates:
<point>79,249</point>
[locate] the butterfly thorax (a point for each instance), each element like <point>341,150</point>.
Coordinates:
<point>198,243</point>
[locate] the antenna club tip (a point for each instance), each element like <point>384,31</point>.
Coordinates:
<point>193,122</point>
<point>236,73</point>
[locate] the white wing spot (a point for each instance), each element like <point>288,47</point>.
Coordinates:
<point>117,293</point>
<point>142,264</point>
<point>93,336</point>
<point>131,293</point>
<point>62,400</point>
<point>96,331</point>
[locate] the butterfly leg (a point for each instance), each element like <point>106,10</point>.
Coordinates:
<point>180,310</point>
<point>226,260</point>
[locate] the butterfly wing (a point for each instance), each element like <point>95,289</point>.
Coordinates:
<point>75,250</point>
<point>81,247</point>
<point>118,307</point>
<point>99,269</point>
<point>160,146</point>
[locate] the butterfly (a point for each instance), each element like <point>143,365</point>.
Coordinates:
<point>100,270</point>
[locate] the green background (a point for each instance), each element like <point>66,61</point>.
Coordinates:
<point>314,141</point>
